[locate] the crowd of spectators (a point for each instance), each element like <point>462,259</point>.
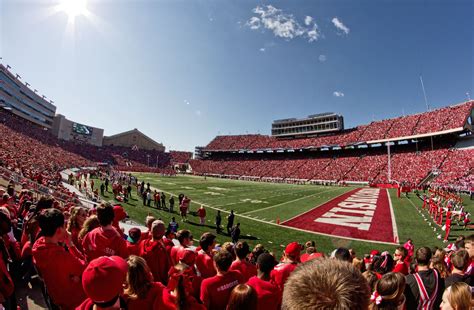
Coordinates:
<point>429,122</point>
<point>454,166</point>
<point>97,266</point>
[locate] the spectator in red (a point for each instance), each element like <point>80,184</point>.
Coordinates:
<point>148,221</point>
<point>268,293</point>
<point>185,239</point>
<point>91,223</point>
<point>75,223</point>
<point>399,258</point>
<point>187,259</point>
<point>311,252</point>
<point>215,291</point>
<point>103,282</point>
<point>204,259</point>
<point>410,249</point>
<point>119,215</point>
<point>141,292</point>
<point>241,263</point>
<point>181,286</point>
<point>184,207</point>
<point>202,215</point>
<point>388,293</point>
<point>104,240</point>
<point>168,241</point>
<point>154,252</point>
<point>60,269</point>
<point>133,241</point>
<point>7,288</point>
<point>291,258</point>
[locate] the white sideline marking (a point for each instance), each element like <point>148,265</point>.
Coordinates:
<point>392,214</point>
<point>286,202</point>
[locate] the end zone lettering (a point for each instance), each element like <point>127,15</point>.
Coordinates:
<point>361,207</point>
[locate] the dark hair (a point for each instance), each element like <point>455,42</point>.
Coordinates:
<point>382,264</point>
<point>223,260</point>
<point>45,202</point>
<point>265,263</point>
<point>243,296</point>
<point>242,249</point>
<point>404,252</point>
<point>49,221</point>
<point>182,234</point>
<point>207,239</point>
<point>105,214</point>
<point>423,256</point>
<point>460,260</point>
<point>343,254</point>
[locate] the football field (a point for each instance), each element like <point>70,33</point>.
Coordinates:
<point>276,214</point>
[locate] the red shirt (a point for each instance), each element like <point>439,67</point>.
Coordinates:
<point>268,294</point>
<point>401,267</point>
<point>246,268</point>
<point>281,273</point>
<point>191,302</point>
<point>133,248</point>
<point>61,271</point>
<point>104,242</point>
<point>215,291</point>
<point>205,265</point>
<point>201,212</point>
<point>153,300</point>
<point>154,252</point>
<point>306,257</point>
<point>174,254</point>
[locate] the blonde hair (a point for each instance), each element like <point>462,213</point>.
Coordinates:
<point>139,278</point>
<point>459,296</point>
<point>89,224</point>
<point>73,223</point>
<point>326,284</point>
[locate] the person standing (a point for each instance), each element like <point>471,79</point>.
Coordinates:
<point>230,221</point>
<point>163,200</point>
<point>107,184</point>
<point>235,233</point>
<point>202,215</point>
<point>218,222</point>
<point>173,225</point>
<point>171,204</point>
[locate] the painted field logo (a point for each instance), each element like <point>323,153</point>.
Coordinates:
<point>360,208</point>
<point>360,214</point>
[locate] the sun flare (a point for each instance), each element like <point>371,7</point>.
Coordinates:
<point>73,8</point>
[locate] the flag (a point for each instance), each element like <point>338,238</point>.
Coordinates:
<point>8,67</point>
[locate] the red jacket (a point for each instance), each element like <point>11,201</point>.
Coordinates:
<point>154,299</point>
<point>104,242</point>
<point>157,258</point>
<point>61,272</point>
<point>281,273</point>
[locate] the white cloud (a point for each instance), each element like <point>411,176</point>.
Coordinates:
<point>339,25</point>
<point>262,49</point>
<point>254,23</point>
<point>338,94</point>
<point>322,58</point>
<point>282,25</point>
<point>186,101</point>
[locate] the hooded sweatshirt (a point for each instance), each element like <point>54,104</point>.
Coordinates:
<point>268,294</point>
<point>104,242</point>
<point>61,272</point>
<point>157,258</point>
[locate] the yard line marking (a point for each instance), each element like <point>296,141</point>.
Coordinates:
<point>286,202</point>
<point>392,214</point>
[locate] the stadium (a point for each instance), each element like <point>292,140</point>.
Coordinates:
<point>83,213</point>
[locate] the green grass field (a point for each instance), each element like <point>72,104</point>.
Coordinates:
<point>258,206</point>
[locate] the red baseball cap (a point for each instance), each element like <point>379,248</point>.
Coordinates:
<point>103,278</point>
<point>293,249</point>
<point>374,252</point>
<point>187,256</point>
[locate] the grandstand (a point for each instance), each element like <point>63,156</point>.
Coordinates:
<point>419,144</point>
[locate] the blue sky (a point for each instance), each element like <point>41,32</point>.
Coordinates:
<point>183,72</point>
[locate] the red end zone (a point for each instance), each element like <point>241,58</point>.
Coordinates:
<point>363,213</point>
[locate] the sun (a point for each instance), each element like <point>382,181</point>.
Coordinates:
<point>73,8</point>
